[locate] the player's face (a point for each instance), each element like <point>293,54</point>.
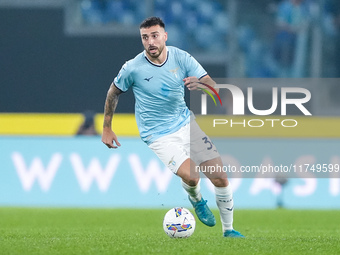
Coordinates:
<point>153,39</point>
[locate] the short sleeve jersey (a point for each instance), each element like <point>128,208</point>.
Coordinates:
<point>160,108</point>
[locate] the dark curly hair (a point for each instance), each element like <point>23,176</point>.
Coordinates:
<point>152,21</point>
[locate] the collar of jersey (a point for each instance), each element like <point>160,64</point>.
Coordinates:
<point>167,56</point>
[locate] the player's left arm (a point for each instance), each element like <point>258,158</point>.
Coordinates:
<point>194,83</point>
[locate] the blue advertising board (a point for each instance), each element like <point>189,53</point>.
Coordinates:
<point>82,172</point>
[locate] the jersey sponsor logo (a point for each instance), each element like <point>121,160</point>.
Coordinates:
<point>148,79</point>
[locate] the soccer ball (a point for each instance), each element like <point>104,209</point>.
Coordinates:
<point>179,223</point>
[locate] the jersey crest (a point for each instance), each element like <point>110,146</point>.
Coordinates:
<point>174,71</point>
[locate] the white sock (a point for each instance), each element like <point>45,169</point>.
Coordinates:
<point>225,203</point>
<point>193,191</point>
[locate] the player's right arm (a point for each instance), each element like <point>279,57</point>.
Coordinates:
<point>109,138</point>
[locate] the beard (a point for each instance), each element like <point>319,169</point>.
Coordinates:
<point>154,52</point>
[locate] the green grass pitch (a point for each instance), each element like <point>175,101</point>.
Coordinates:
<point>129,231</point>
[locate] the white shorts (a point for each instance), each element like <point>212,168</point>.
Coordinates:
<point>188,142</point>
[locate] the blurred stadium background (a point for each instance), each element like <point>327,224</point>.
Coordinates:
<point>58,59</point>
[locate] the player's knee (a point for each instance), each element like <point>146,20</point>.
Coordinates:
<point>191,181</point>
<point>222,182</point>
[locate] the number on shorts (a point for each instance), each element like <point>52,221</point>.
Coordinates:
<point>206,140</point>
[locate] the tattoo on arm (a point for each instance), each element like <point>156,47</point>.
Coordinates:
<point>110,104</point>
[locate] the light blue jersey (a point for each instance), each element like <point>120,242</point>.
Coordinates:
<point>159,91</point>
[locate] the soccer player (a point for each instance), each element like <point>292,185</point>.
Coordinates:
<point>157,77</point>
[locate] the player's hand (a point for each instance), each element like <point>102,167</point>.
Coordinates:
<point>110,139</point>
<point>191,82</point>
